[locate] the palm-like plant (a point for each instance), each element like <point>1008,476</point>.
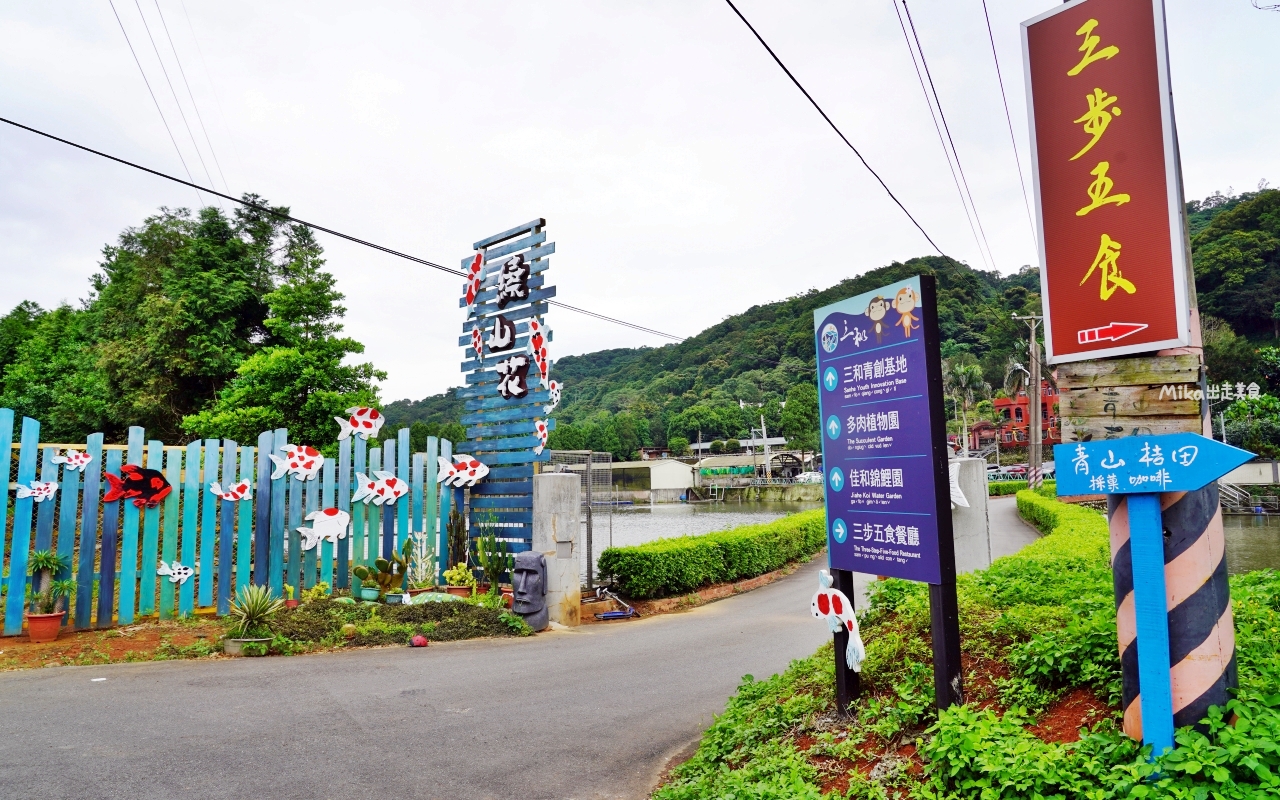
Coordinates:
<point>967,384</point>
<point>253,611</point>
<point>45,592</point>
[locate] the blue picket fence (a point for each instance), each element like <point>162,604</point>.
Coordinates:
<point>115,548</point>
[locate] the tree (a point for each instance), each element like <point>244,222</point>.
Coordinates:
<point>302,383</point>
<point>967,384</point>
<point>717,447</point>
<point>678,446</point>
<point>53,377</point>
<point>15,328</point>
<point>800,422</point>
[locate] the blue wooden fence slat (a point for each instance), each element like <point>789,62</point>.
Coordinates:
<point>110,541</point>
<point>129,538</point>
<point>522,329</point>
<point>488,487</point>
<point>190,527</point>
<point>169,534</point>
<point>88,532</point>
<point>373,513</point>
<point>358,532</point>
<point>490,376</point>
<point>275,566</point>
<point>342,496</point>
<point>68,517</point>
<point>418,473</point>
<point>293,564</point>
<point>502,250</point>
<point>20,544</point>
<point>537,397</point>
<point>518,457</point>
<point>402,472</point>
<point>312,502</point>
<point>446,506</point>
<point>262,510</point>
<point>6,471</point>
<point>327,492</point>
<point>150,537</point>
<point>510,473</point>
<point>518,414</point>
<point>489,293</point>
<point>208,522</point>
<point>226,526</point>
<point>496,445</point>
<point>431,512</point>
<point>510,428</point>
<point>535,310</point>
<point>507,234</point>
<point>45,510</point>
<point>489,501</point>
<point>245,518</point>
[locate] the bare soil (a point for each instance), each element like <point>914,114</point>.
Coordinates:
<point>146,641</point>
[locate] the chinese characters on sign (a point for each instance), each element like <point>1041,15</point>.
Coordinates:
<point>882,510</point>
<point>1137,464</point>
<point>1112,263</point>
<point>513,281</point>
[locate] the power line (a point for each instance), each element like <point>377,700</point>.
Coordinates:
<point>199,199</point>
<point>194,105</point>
<point>1022,183</point>
<point>173,92</point>
<point>947,128</point>
<point>937,129</point>
<point>844,138</point>
<point>273,212</point>
<point>213,87</point>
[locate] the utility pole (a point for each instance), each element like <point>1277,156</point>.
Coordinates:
<point>764,434</point>
<point>1034,478</point>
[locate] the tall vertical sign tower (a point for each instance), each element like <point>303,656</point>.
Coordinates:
<point>509,392</point>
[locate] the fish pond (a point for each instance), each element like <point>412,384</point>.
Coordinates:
<point>1253,542</point>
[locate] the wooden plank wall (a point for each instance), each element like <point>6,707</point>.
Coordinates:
<point>116,547</point>
<point>500,430</point>
<point>1116,397</point>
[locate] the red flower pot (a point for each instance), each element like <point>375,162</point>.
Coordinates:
<point>44,627</point>
<point>460,591</point>
<point>291,603</point>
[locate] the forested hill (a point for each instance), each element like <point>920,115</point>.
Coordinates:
<point>625,398</point>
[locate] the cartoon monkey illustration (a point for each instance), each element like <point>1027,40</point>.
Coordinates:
<point>876,310</point>
<point>904,303</point>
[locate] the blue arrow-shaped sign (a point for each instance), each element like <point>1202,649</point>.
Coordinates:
<point>1171,462</point>
<point>1142,467</point>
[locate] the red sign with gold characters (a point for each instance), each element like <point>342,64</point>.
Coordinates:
<point>1113,268</point>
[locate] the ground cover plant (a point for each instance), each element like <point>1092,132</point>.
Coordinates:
<point>682,564</point>
<point>1042,686</point>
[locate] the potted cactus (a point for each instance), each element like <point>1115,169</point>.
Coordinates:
<point>252,614</point>
<point>289,601</point>
<point>459,581</point>
<point>44,618</point>
<point>386,579</point>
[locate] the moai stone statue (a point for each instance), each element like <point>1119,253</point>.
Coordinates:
<point>529,586</point>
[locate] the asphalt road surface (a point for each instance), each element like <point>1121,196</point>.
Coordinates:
<point>592,713</point>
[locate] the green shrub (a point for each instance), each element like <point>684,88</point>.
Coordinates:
<point>674,566</point>
<point>1002,488</point>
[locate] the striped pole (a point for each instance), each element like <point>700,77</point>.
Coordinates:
<point>1201,635</point>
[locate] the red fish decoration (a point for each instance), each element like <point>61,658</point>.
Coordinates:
<point>363,421</point>
<point>538,349</point>
<point>145,487</point>
<point>239,491</point>
<point>471,289</point>
<point>477,343</point>
<point>540,430</point>
<point>466,471</point>
<point>384,487</point>
<point>301,461</point>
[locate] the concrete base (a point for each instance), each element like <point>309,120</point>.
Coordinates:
<point>564,592</point>
<point>971,525</point>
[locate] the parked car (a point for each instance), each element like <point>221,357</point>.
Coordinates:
<point>1016,469</point>
<point>809,477</point>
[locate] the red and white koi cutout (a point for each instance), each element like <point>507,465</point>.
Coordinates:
<point>832,605</point>
<point>301,461</point>
<point>240,491</point>
<point>477,343</point>
<point>471,289</point>
<point>327,525</point>
<point>38,491</point>
<point>383,487</point>
<point>538,334</point>
<point>540,430</point>
<point>74,459</point>
<point>363,421</point>
<point>464,471</point>
<point>554,387</point>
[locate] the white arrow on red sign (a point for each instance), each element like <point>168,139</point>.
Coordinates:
<point>1108,333</point>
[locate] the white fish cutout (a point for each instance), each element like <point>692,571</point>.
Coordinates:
<point>239,491</point>
<point>540,430</point>
<point>832,605</point>
<point>363,421</point>
<point>301,461</point>
<point>538,349</point>
<point>384,487</point>
<point>177,571</point>
<point>477,343</point>
<point>74,459</point>
<point>465,471</point>
<point>471,289</point>
<point>554,387</point>
<point>327,525</point>
<point>957,497</point>
<point>38,491</point>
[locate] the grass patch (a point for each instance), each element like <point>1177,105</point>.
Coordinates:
<point>1039,655</point>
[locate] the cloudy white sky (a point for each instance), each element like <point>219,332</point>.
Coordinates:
<point>682,176</point>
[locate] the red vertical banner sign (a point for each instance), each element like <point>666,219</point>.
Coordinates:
<point>1112,264</point>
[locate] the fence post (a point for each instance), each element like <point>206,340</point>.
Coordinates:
<point>342,579</point>
<point>20,543</point>
<point>110,544</point>
<point>129,539</point>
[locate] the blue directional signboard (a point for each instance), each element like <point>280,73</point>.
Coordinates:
<point>883,443</point>
<point>1171,462</point>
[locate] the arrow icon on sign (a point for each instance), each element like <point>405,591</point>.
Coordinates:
<point>1109,333</point>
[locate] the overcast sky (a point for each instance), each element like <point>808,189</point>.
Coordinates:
<point>682,176</point>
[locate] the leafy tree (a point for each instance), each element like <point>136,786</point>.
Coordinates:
<point>52,377</point>
<point>15,328</point>
<point>800,423</point>
<point>717,447</point>
<point>1237,264</point>
<point>302,383</point>
<point>566,437</point>
<point>678,446</point>
<point>966,383</point>
<point>1228,357</point>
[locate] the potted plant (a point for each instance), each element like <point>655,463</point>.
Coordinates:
<point>494,560</point>
<point>387,576</point>
<point>252,614</point>
<point>459,581</point>
<point>289,602</point>
<point>422,565</point>
<point>44,618</point>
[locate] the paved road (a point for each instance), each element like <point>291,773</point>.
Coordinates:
<point>593,713</point>
<point>1009,533</point>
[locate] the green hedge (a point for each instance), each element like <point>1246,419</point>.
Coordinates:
<point>1002,488</point>
<point>674,566</point>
